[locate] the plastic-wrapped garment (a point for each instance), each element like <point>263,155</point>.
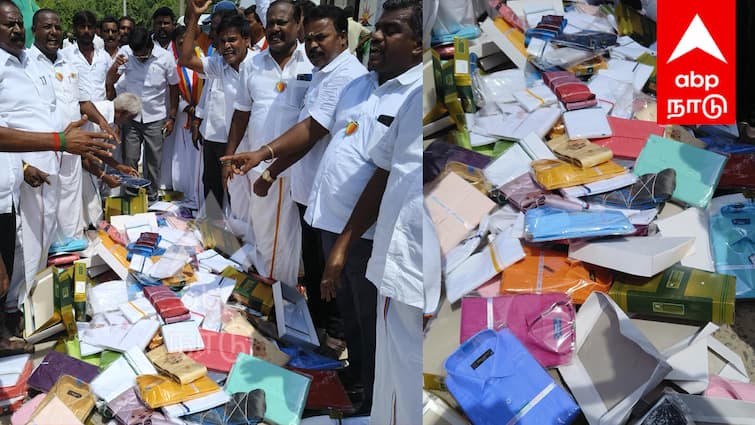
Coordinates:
<point>439,153</point>
<point>243,409</point>
<point>544,271</point>
<point>524,194</point>
<point>550,224</point>
<point>128,409</point>
<point>739,172</point>
<point>544,323</point>
<point>75,394</point>
<point>454,19</point>
<point>496,381</point>
<point>732,235</point>
<point>158,391</point>
<point>649,191</point>
<point>698,170</point>
<point>555,174</point>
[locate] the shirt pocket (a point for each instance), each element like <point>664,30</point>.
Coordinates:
<point>297,89</point>
<point>156,76</point>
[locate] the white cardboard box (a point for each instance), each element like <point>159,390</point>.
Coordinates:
<point>639,255</point>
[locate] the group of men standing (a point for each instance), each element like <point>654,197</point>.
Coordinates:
<point>320,156</point>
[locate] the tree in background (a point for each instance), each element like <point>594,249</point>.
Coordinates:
<point>141,10</point>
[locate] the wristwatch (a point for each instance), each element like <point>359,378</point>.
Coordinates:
<point>266,176</point>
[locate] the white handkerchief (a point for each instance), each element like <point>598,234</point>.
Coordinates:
<point>137,309</point>
<point>182,336</point>
<point>107,296</point>
<point>11,368</point>
<point>502,252</point>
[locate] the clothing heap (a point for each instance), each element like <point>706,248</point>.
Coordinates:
<point>573,233</point>
<point>193,345</point>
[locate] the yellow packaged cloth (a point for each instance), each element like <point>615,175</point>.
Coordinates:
<point>580,152</point>
<point>158,391</point>
<point>74,393</point>
<point>554,174</point>
<point>178,366</point>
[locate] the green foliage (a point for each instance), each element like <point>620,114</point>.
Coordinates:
<point>140,10</point>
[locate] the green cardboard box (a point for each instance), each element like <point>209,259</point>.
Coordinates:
<point>678,292</point>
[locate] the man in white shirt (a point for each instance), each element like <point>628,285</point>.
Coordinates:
<point>28,104</point>
<point>364,113</point>
<point>150,73</point>
<point>73,97</point>
<point>272,91</point>
<point>163,25</point>
<point>90,62</point>
<point>396,265</point>
<point>222,73</point>
<point>110,36</point>
<point>304,143</point>
<point>126,24</point>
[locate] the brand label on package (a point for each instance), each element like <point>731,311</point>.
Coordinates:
<point>696,76</point>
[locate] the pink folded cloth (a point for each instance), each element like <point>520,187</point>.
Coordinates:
<point>22,416</point>
<point>724,388</point>
<point>543,323</point>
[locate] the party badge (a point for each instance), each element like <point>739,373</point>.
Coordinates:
<point>351,127</point>
<point>280,86</point>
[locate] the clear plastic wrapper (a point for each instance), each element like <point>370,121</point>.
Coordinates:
<point>524,194</point>
<point>500,86</point>
<point>543,323</point>
<point>555,174</point>
<point>669,410</point>
<point>550,224</point>
<point>732,231</point>
<point>546,270</point>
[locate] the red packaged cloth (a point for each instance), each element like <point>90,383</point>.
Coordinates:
<point>20,388</point>
<point>543,323</point>
<point>167,303</point>
<point>628,136</point>
<point>220,349</point>
<point>326,392</point>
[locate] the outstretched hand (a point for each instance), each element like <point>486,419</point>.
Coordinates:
<point>241,163</point>
<point>86,143</point>
<point>197,7</point>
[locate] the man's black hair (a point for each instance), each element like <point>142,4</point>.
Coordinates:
<point>108,19</point>
<point>415,23</point>
<point>35,18</point>
<point>84,17</point>
<point>140,39</point>
<point>234,21</point>
<point>295,5</point>
<point>164,11</point>
<point>334,13</point>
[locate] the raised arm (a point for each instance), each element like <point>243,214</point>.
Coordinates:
<point>187,58</point>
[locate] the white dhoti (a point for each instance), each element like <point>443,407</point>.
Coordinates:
<point>92,200</point>
<point>70,217</point>
<point>186,165</point>
<point>36,223</point>
<point>277,231</point>
<point>397,393</point>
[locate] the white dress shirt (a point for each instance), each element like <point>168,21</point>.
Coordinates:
<point>273,95</point>
<point>69,87</point>
<point>346,167</point>
<point>395,266</point>
<point>223,83</point>
<point>320,104</point>
<point>150,80</point>
<point>28,103</point>
<point>95,73</point>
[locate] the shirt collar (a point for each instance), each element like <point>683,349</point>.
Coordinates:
<point>338,60</point>
<point>5,57</point>
<point>410,76</point>
<point>35,52</point>
<point>297,52</point>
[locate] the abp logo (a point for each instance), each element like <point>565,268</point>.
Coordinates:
<point>696,76</point>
